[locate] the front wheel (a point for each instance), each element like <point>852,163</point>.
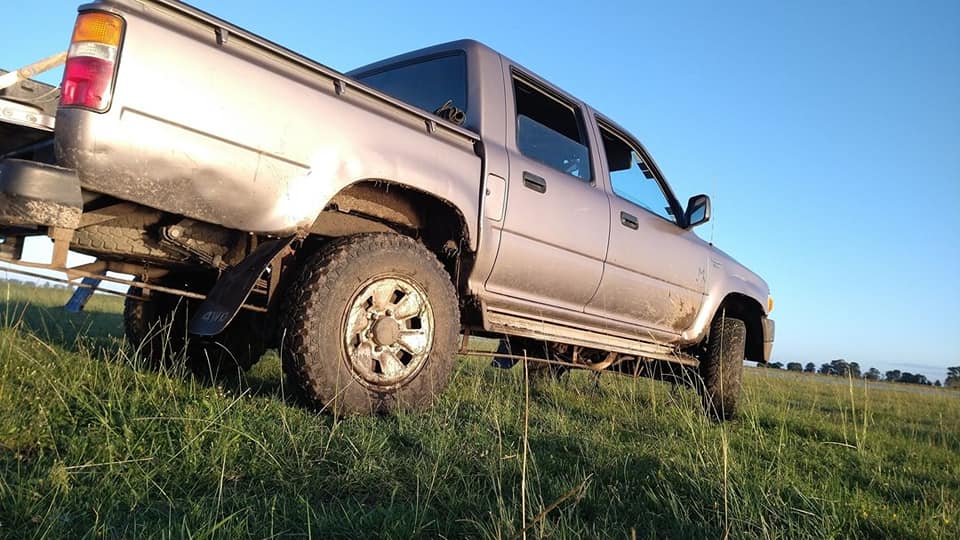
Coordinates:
<point>721,368</point>
<point>371,326</point>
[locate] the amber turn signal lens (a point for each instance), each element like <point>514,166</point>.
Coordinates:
<point>769,304</point>
<point>91,61</point>
<point>98,27</point>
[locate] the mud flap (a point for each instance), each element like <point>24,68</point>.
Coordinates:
<point>232,289</point>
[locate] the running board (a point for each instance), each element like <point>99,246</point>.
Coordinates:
<point>519,326</point>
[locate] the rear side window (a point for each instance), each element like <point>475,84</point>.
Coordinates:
<point>549,131</point>
<point>427,84</point>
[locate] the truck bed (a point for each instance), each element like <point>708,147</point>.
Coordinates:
<point>27,112</point>
<point>249,135</point>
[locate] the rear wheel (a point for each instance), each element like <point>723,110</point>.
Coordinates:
<point>721,368</point>
<point>371,326</point>
<point>238,347</point>
<point>156,327</point>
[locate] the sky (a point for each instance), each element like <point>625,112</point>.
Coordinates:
<point>826,133</point>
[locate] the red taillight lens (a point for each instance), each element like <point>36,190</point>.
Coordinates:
<point>91,61</point>
<point>87,82</point>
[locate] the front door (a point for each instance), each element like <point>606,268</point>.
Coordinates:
<point>654,274</point>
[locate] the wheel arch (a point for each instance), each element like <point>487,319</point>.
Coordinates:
<point>377,205</point>
<point>748,310</point>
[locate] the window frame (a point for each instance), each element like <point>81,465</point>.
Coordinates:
<point>566,101</point>
<point>604,123</point>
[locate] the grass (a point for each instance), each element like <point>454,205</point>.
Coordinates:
<point>92,444</point>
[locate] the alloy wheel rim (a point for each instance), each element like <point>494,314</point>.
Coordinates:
<point>388,331</point>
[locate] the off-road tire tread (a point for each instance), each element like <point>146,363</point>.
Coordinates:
<point>136,314</point>
<point>122,236</point>
<point>312,327</point>
<point>721,368</point>
<point>140,319</point>
<point>131,236</point>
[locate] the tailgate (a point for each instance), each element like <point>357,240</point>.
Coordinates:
<point>27,112</point>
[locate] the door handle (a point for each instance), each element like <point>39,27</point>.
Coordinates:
<point>629,220</point>
<point>534,182</point>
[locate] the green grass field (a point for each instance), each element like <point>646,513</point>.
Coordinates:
<point>94,445</point>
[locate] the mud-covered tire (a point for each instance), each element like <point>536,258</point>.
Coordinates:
<point>238,347</point>
<point>156,329</point>
<point>721,368</point>
<point>328,320</point>
<point>136,236</point>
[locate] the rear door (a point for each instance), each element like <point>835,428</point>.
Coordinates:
<point>655,270</point>
<point>557,217</point>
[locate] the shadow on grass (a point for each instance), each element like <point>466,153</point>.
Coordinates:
<point>265,379</point>
<point>99,333</point>
<point>75,332</point>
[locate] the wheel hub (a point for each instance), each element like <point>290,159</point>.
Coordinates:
<point>388,331</point>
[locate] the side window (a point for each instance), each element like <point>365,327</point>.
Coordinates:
<point>548,131</point>
<point>632,178</point>
<point>427,84</point>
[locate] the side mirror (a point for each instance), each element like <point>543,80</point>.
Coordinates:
<point>698,211</point>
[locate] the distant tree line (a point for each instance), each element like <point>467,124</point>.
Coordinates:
<point>35,284</point>
<point>842,368</point>
<point>953,377</point>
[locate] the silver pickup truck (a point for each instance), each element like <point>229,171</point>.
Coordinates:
<point>364,224</point>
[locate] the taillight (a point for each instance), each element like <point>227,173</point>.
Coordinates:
<point>91,61</point>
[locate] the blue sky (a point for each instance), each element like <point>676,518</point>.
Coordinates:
<point>826,133</point>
